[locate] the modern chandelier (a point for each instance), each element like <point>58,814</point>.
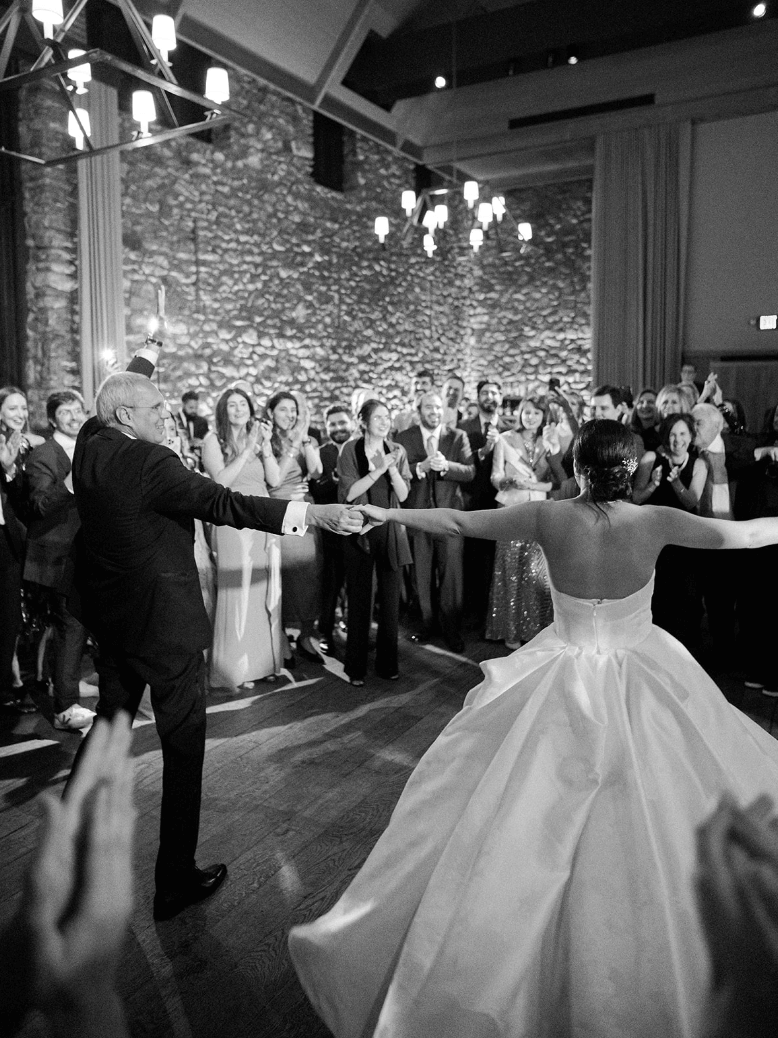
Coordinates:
<point>72,69</point>
<point>430,209</point>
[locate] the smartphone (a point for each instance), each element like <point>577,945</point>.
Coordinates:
<point>553,385</point>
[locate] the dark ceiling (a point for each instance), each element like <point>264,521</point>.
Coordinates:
<point>467,44</point>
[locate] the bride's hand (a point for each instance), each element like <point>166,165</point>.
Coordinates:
<point>373,515</point>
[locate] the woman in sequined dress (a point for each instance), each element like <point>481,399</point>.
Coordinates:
<point>524,468</point>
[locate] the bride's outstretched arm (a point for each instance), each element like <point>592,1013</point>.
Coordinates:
<point>692,531</point>
<point>496,524</point>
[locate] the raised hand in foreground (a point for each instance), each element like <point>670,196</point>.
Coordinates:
<point>737,891</point>
<point>63,945</point>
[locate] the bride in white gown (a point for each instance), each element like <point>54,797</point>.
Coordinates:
<point>536,877</point>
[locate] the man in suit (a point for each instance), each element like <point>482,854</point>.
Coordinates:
<point>50,537</point>
<point>141,597</point>
<point>441,461</point>
<point>324,490</point>
<point>12,534</point>
<point>483,431</point>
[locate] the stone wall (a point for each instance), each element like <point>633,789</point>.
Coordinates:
<point>53,354</point>
<point>272,278</point>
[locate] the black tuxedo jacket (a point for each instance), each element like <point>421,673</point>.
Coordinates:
<point>137,575</point>
<point>54,521</point>
<point>437,489</point>
<point>480,493</point>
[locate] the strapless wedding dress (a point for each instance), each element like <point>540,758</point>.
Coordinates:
<point>536,877</point>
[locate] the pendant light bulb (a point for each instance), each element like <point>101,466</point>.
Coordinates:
<point>498,207</point>
<point>429,244</point>
<point>382,227</point>
<point>79,74</point>
<point>77,132</point>
<point>217,85</point>
<point>441,213</point>
<point>430,221</point>
<point>49,13</point>
<point>163,34</point>
<point>470,192</point>
<point>485,214</point>
<point>408,202</point>
<point>143,110</point>
<point>476,238</point>
<point>525,231</point>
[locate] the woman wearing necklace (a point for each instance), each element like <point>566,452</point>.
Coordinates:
<point>524,468</point>
<point>372,470</point>
<point>674,476</point>
<point>297,454</point>
<point>247,625</point>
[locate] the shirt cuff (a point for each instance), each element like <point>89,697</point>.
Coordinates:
<point>294,518</point>
<point>147,353</point>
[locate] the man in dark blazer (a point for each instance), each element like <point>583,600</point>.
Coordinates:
<point>483,431</point>
<point>12,534</point>
<point>324,490</point>
<point>53,526</point>
<point>141,597</point>
<point>441,462</point>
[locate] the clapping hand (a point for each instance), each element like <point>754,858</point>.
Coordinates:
<point>9,449</point>
<point>550,439</point>
<point>711,390</point>
<point>64,943</point>
<point>492,436</point>
<point>252,437</point>
<point>265,430</point>
<point>438,462</point>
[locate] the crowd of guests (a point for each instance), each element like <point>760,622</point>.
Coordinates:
<point>273,599</point>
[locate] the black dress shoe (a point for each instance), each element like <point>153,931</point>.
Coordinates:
<point>199,884</point>
<point>22,704</point>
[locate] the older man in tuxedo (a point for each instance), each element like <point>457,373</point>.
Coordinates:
<point>141,597</point>
<point>441,461</point>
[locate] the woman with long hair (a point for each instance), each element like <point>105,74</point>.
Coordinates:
<point>674,476</point>
<point>373,470</point>
<point>537,875</point>
<point>645,418</point>
<point>247,642</point>
<point>520,596</point>
<point>297,455</point>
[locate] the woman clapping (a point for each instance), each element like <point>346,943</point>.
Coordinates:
<point>371,470</point>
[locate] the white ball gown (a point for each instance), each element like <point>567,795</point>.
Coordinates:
<point>536,877</point>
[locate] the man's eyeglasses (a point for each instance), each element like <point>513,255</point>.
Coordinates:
<point>159,408</point>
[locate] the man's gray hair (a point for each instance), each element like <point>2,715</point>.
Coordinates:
<point>116,390</point>
<point>709,411</point>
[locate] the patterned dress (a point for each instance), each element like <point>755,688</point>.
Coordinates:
<point>520,596</point>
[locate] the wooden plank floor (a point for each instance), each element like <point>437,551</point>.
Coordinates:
<point>300,780</point>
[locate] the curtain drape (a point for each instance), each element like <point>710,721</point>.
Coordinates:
<point>101,286</point>
<point>639,226</point>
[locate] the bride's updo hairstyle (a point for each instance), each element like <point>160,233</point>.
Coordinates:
<point>604,453</point>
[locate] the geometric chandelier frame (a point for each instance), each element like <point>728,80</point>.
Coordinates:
<point>156,74</point>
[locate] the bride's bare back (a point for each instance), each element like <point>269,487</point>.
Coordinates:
<point>592,552</point>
